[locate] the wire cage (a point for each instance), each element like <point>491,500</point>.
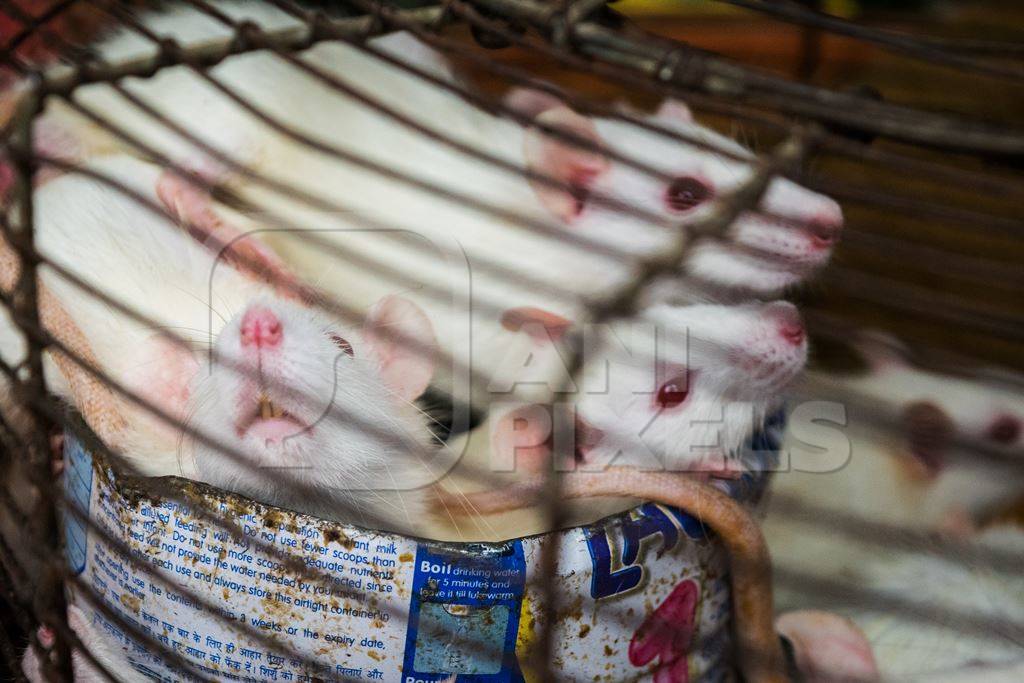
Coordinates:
<point>930,251</point>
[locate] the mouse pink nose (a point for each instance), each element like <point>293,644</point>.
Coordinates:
<point>787,318</point>
<point>825,228</point>
<point>261,328</point>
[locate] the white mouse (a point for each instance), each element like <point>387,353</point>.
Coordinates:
<point>364,442</point>
<point>983,410</point>
<point>929,449</point>
<point>790,236</point>
<point>720,370</point>
<point>334,374</point>
<point>688,402</point>
<point>906,459</point>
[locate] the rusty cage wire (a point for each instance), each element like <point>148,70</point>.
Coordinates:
<point>813,130</point>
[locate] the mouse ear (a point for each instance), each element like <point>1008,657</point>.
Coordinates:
<point>542,326</point>
<point>530,101</point>
<point>880,350</point>
<point>930,433</point>
<point>563,161</point>
<point>674,110</point>
<point>627,108</point>
<point>194,207</point>
<point>402,339</point>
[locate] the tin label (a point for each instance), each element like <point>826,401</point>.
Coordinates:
<point>643,592</point>
<point>78,484</point>
<point>464,616</point>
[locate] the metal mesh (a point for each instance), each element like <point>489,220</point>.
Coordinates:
<point>808,123</point>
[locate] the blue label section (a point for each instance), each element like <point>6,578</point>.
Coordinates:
<point>78,485</point>
<point>650,519</point>
<point>464,615</point>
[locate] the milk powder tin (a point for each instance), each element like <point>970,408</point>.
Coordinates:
<point>639,593</point>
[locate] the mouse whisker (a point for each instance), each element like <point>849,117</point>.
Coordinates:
<point>427,416</point>
<point>467,502</point>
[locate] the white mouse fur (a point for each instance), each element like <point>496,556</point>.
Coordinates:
<point>188,26</point>
<point>787,254</point>
<point>874,487</point>
<point>155,268</point>
<point>1009,672</point>
<point>734,361</point>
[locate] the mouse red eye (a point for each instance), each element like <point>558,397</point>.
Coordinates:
<point>1005,429</point>
<point>581,195</point>
<point>342,344</point>
<point>684,194</point>
<point>673,392</point>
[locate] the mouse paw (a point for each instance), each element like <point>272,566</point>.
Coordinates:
<point>46,636</point>
<point>717,466</point>
<point>57,453</point>
<point>31,663</point>
<point>827,647</point>
<point>958,523</point>
<point>6,177</point>
<point>194,207</point>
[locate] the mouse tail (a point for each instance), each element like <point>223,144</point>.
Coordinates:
<point>880,350</point>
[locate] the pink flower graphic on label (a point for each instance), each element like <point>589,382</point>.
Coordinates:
<point>666,635</point>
